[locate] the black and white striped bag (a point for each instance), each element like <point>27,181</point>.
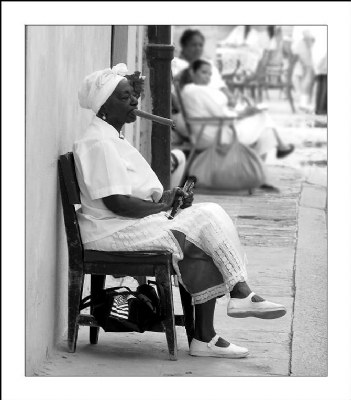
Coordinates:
<point>119,309</point>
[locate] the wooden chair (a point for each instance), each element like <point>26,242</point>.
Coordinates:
<point>98,264</point>
<point>268,76</point>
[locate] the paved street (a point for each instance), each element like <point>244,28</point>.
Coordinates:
<point>285,237</point>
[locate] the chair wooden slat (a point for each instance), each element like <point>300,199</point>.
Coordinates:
<point>70,179</point>
<point>152,257</point>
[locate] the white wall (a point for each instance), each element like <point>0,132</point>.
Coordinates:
<point>57,59</point>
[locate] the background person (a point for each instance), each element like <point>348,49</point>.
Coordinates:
<point>203,100</point>
<point>310,45</point>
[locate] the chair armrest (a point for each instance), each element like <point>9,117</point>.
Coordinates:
<point>250,112</point>
<point>211,120</point>
<point>223,120</point>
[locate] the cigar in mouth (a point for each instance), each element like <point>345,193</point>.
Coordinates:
<point>154,118</point>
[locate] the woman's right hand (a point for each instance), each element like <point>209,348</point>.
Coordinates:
<point>169,196</point>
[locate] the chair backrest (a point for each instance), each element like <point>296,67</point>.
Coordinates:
<point>70,196</point>
<point>275,71</point>
<point>182,108</point>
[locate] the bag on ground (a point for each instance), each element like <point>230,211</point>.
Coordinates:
<point>119,309</point>
<point>229,167</point>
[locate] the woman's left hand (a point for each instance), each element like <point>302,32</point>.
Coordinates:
<point>187,200</point>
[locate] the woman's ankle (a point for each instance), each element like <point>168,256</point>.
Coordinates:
<point>204,336</point>
<point>240,290</point>
<point>207,338</point>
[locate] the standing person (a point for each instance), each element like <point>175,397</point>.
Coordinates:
<point>310,46</point>
<point>320,62</point>
<point>124,208</point>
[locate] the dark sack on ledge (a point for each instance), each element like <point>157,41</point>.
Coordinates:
<point>119,309</point>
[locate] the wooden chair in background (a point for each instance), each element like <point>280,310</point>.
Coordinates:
<point>98,264</point>
<point>268,76</point>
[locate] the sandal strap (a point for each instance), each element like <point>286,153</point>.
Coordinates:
<point>213,341</point>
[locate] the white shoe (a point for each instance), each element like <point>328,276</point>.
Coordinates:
<point>204,349</point>
<point>242,308</point>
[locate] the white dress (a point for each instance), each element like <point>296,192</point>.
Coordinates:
<point>207,101</point>
<point>206,225</point>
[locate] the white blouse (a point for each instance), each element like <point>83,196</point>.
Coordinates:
<point>107,165</point>
<point>206,101</point>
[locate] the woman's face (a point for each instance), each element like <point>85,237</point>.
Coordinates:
<point>193,49</point>
<point>120,105</point>
<point>202,76</point>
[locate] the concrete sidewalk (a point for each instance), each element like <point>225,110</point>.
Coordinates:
<point>285,239</point>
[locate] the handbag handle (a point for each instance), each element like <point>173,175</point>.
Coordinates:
<point>161,295</point>
<point>223,149</point>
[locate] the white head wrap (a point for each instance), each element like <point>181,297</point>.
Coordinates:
<point>98,86</point>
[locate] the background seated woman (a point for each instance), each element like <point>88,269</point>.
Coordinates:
<point>203,100</point>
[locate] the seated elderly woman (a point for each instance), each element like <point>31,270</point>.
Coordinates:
<point>124,208</point>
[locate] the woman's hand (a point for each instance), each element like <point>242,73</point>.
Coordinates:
<point>168,196</point>
<point>230,96</point>
<point>187,199</point>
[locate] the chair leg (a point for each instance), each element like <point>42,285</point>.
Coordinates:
<point>163,277</point>
<point>253,93</point>
<point>291,100</point>
<point>75,287</point>
<point>97,284</point>
<point>188,311</point>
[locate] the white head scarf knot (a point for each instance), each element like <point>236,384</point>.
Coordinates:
<point>98,86</point>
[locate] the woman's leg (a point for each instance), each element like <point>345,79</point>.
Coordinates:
<point>307,87</point>
<point>179,167</point>
<point>260,132</point>
<point>204,314</point>
<point>204,329</point>
<point>195,263</point>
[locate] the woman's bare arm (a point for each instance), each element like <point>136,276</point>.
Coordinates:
<point>128,206</point>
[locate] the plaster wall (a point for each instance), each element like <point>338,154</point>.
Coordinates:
<point>57,59</point>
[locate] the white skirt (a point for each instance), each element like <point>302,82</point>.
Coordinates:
<point>206,225</point>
